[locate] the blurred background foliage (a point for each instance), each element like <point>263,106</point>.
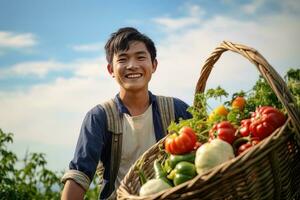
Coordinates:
<point>28,177</point>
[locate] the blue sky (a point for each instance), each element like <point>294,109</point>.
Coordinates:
<point>53,68</point>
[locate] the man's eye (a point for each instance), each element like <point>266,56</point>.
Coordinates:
<point>141,57</point>
<point>122,60</point>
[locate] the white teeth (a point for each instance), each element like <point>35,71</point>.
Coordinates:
<point>133,75</point>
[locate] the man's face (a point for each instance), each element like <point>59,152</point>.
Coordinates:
<point>133,68</point>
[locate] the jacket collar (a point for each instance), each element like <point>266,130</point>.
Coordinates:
<point>122,108</point>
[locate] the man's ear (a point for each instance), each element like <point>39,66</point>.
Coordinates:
<point>110,70</point>
<point>155,63</point>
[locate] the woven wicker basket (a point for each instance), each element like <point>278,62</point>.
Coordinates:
<point>269,170</point>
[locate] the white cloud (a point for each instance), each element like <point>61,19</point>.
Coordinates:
<point>194,10</point>
<point>15,40</point>
<point>38,68</point>
<point>95,47</point>
<point>170,24</point>
<point>53,113</point>
<point>80,67</point>
<point>91,67</point>
<point>193,17</point>
<point>47,111</point>
<point>253,6</point>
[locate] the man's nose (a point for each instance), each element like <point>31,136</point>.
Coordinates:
<point>132,64</point>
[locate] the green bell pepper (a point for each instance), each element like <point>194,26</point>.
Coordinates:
<point>182,172</point>
<point>174,159</point>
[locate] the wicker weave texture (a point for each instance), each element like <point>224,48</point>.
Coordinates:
<point>269,170</point>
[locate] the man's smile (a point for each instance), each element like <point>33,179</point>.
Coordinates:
<point>133,75</point>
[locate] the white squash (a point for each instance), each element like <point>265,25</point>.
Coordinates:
<point>153,186</point>
<point>212,154</point>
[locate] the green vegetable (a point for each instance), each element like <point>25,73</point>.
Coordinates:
<point>160,173</point>
<point>142,177</point>
<point>212,154</point>
<point>174,159</point>
<point>182,172</point>
<point>153,186</point>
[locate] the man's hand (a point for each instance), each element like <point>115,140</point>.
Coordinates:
<point>72,191</point>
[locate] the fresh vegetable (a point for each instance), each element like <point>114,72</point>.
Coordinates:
<point>197,145</point>
<point>242,144</point>
<point>174,159</point>
<point>244,147</point>
<point>182,142</point>
<point>248,145</point>
<point>265,120</point>
<point>199,121</point>
<point>239,103</point>
<point>139,170</point>
<point>182,172</point>
<point>212,154</point>
<point>160,173</point>
<point>142,177</point>
<point>153,186</point>
<point>244,128</point>
<point>224,131</point>
<point>218,113</point>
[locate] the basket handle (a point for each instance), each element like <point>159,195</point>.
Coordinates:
<point>267,71</point>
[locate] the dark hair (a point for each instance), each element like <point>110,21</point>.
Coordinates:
<point>120,40</point>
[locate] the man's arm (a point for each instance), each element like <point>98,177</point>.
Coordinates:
<point>72,191</point>
<point>87,154</point>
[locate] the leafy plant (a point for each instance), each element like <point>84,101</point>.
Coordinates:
<point>32,181</point>
<point>292,78</point>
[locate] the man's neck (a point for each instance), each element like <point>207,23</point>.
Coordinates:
<point>136,102</point>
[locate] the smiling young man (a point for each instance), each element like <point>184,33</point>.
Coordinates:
<point>115,133</point>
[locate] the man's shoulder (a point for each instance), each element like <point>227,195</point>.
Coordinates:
<point>99,109</point>
<point>180,108</point>
<point>177,102</point>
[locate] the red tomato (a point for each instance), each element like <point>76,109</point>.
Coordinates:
<point>244,128</point>
<point>265,120</point>
<point>251,142</point>
<point>182,142</point>
<point>224,131</point>
<point>239,103</point>
<point>244,147</point>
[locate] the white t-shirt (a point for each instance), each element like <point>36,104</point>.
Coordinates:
<point>138,136</point>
